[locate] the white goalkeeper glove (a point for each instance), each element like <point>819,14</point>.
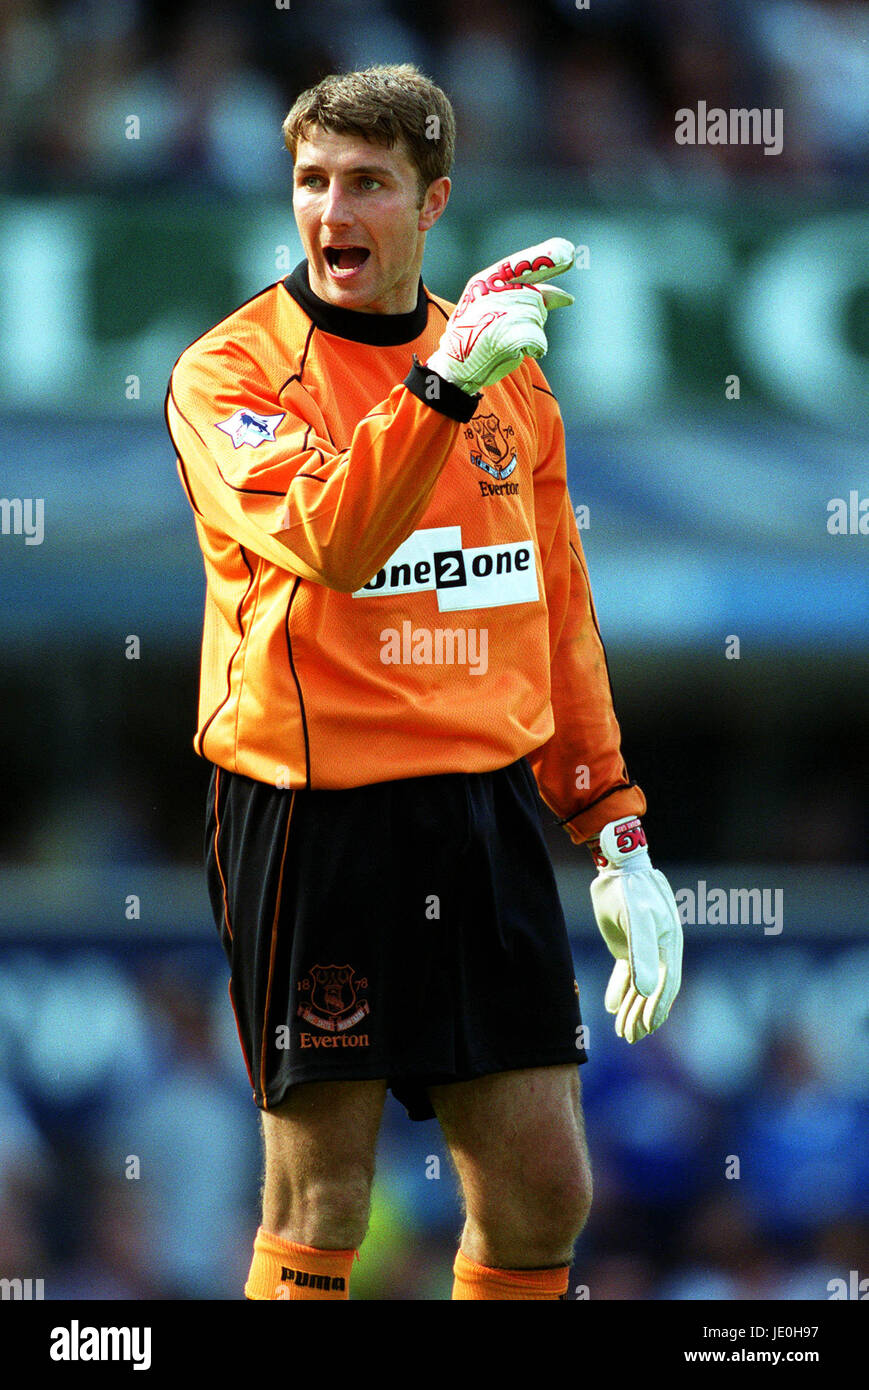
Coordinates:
<point>500,317</point>
<point>639,921</point>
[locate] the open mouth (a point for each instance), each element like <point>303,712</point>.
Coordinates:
<point>345,261</point>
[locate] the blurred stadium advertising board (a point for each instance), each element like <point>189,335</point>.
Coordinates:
<point>712,376</point>
<point>670,304</point>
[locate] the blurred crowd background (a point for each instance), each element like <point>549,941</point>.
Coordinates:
<point>730,1150</point>
<point>591,90</point>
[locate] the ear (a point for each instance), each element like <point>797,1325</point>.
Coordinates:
<point>436,198</point>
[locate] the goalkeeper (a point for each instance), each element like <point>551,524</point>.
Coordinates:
<point>400,650</point>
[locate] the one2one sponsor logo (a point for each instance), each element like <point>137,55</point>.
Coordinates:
<point>483,576</point>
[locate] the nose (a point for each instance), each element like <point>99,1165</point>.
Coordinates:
<point>336,210</point>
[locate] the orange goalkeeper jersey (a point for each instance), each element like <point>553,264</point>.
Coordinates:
<point>395,581</point>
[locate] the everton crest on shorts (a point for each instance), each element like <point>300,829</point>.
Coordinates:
<point>409,930</point>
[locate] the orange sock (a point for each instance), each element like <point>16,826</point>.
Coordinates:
<point>474,1281</point>
<point>282,1269</point>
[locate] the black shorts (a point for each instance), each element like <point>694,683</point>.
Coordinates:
<point>409,930</point>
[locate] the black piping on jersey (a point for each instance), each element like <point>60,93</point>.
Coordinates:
<point>295,590</point>
<point>185,481</point>
<point>243,305</point>
<point>201,738</point>
<point>544,389</point>
<point>253,491</point>
<point>378,330</point>
<point>297,376</point>
<point>622,787</point>
<point>594,620</point>
<point>317,450</point>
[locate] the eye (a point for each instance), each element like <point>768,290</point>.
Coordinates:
<point>366,179</point>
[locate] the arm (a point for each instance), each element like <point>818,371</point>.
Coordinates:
<point>336,516</point>
<point>580,771</point>
<point>633,903</point>
<point>331,516</point>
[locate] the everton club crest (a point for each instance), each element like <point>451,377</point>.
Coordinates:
<point>491,445</point>
<point>333,1002</point>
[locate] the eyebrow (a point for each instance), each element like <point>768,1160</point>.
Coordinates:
<point>378,171</point>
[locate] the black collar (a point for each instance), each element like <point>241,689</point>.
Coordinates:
<point>382,330</point>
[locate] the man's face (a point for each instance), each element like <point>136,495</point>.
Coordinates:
<point>362,229</point>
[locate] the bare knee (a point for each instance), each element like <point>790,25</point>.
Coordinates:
<point>328,1212</point>
<point>319,1163</point>
<point>534,1223</point>
<point>561,1203</point>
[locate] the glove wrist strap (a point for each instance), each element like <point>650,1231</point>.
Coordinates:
<point>621,843</point>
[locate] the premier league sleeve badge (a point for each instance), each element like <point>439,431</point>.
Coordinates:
<point>246,427</point>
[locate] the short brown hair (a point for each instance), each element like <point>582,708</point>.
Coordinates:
<point>386,104</point>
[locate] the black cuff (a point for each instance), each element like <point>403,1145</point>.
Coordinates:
<point>622,787</point>
<point>439,393</point>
